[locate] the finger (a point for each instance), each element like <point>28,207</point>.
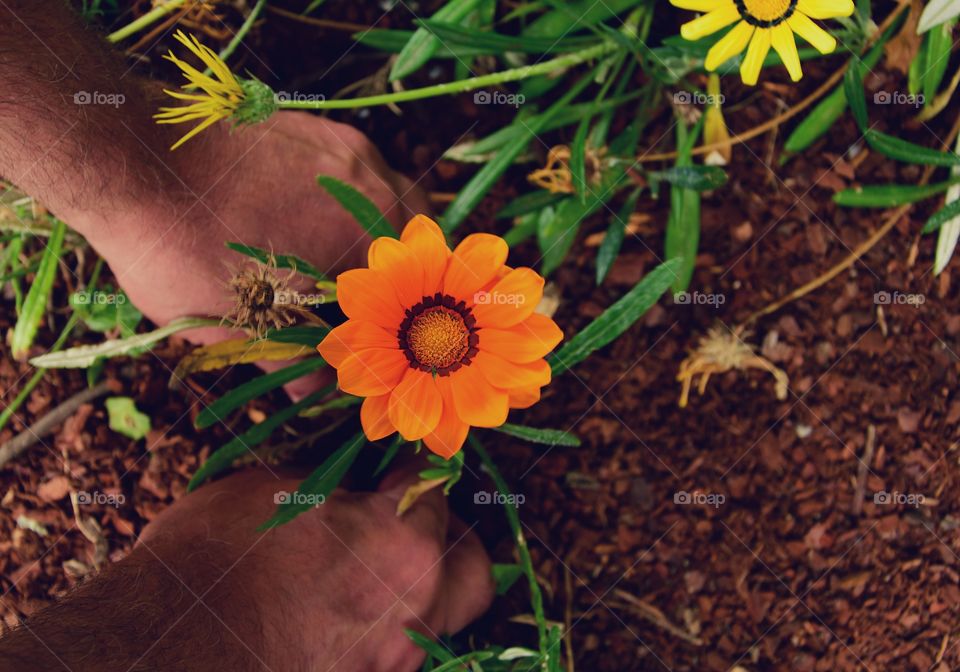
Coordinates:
<point>468,581</point>
<point>429,513</point>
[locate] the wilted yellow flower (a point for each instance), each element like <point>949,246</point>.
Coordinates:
<point>219,95</point>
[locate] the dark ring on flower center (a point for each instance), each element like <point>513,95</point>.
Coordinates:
<point>764,23</point>
<point>469,339</point>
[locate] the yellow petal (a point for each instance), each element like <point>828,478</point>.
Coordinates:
<point>710,23</point>
<point>825,9</point>
<point>820,39</point>
<point>729,46</point>
<point>756,52</point>
<point>786,46</point>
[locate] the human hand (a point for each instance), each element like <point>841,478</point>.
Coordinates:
<point>336,586</point>
<point>255,186</point>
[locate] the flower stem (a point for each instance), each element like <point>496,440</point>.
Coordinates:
<point>526,562</point>
<point>242,32</point>
<point>460,86</point>
<point>150,17</point>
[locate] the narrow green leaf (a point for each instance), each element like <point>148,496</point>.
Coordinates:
<point>683,224</point>
<point>389,454</point>
<point>289,261</point>
<point>853,87</point>
<point>908,152</point>
<point>549,437</point>
<point>428,645</point>
<point>576,15</point>
<point>455,36</point>
<point>612,242</point>
<point>939,46</point>
<point>617,318</point>
<point>83,356</point>
<point>889,195</point>
<point>362,208</point>
<point>224,456</point>
<point>301,335</point>
<point>535,200</point>
<point>942,216</point>
<point>424,44</point>
<point>252,389</point>
<point>321,482</point>
<point>478,186</point>
<point>35,305</point>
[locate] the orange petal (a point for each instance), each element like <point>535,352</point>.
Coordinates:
<point>508,375</point>
<point>401,267</point>
<point>372,372</point>
<point>524,398</point>
<point>474,263</point>
<point>530,340</point>
<point>476,401</point>
<point>415,405</point>
<point>450,433</point>
<point>351,337</point>
<point>429,246</point>
<point>374,418</point>
<point>511,300</point>
<point>365,294</point>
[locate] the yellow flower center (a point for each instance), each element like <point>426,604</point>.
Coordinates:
<point>437,335</point>
<point>766,13</point>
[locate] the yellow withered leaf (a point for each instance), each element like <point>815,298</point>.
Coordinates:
<point>237,351</point>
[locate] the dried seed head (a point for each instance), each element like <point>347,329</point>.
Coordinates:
<point>263,299</point>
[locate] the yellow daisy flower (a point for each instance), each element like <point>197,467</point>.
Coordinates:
<point>219,95</point>
<point>762,24</point>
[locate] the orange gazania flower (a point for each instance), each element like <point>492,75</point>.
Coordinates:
<point>439,341</point>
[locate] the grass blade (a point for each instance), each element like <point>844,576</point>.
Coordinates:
<point>549,437</point>
<point>35,305</point>
<point>617,318</point>
<point>362,208</point>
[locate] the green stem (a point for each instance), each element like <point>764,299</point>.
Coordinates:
<point>459,86</point>
<point>150,17</point>
<point>61,339</point>
<point>244,29</point>
<point>526,562</point>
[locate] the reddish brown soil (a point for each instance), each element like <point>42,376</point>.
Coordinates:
<point>783,574</point>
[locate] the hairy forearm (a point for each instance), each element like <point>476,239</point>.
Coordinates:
<point>139,615</point>
<point>76,127</point>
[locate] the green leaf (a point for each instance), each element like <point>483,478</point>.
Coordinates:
<point>505,575</point>
<point>853,87</point>
<point>683,224</point>
<point>428,645</point>
<point>612,242</point>
<point>939,46</point>
<point>106,310</point>
<point>478,186</point>
<point>389,454</point>
<point>321,482</point>
<point>942,216</point>
<point>617,318</point>
<point>455,36</point>
<point>238,396</point>
<point>288,261</point>
<point>83,356</point>
<point>889,195</point>
<point>522,205</point>
<point>908,152</point>
<point>549,437</point>
<point>424,44</point>
<point>575,15</point>
<point>35,305</point>
<point>126,419</point>
<point>300,335</point>
<point>362,208</point>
